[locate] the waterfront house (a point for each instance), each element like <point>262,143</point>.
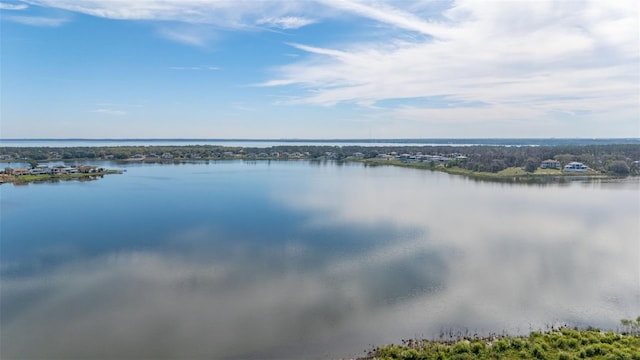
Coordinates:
<point>575,167</point>
<point>550,164</point>
<point>38,171</point>
<point>20,171</point>
<point>86,168</point>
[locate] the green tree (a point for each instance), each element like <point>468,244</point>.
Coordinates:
<point>565,158</point>
<point>497,165</point>
<point>619,167</point>
<point>632,326</point>
<point>33,163</point>
<point>530,165</point>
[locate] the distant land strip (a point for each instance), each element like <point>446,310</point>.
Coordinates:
<point>486,162</point>
<point>437,141</point>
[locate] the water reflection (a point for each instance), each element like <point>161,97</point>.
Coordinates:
<point>286,260</point>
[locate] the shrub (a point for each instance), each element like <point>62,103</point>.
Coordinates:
<point>477,347</point>
<point>619,167</point>
<point>538,352</point>
<point>531,165</point>
<point>461,347</point>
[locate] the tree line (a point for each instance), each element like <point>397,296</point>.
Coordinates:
<point>613,158</point>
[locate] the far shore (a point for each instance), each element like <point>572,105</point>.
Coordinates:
<point>26,179</point>
<point>490,163</point>
<point>508,174</point>
<point>511,174</point>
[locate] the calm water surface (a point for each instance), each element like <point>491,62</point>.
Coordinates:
<point>304,260</point>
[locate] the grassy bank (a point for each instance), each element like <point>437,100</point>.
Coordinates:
<point>25,179</point>
<point>508,174</point>
<point>562,344</point>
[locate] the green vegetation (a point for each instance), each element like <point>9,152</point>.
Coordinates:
<point>507,174</point>
<point>631,326</point>
<point>33,163</point>
<point>25,179</point>
<point>619,168</point>
<point>560,344</point>
<point>499,163</point>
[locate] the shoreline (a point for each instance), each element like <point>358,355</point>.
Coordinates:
<point>544,164</point>
<point>28,179</point>
<point>508,175</point>
<point>511,174</point>
<point>556,343</point>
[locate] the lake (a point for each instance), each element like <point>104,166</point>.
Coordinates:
<point>304,260</point>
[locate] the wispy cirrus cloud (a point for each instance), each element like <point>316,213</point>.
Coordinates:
<point>195,68</point>
<point>525,59</point>
<point>388,14</point>
<point>191,35</point>
<point>42,21</point>
<point>7,6</point>
<point>286,22</point>
<point>194,22</point>
<point>110,111</point>
<point>241,14</point>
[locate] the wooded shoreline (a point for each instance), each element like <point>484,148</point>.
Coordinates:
<point>493,163</point>
<point>26,179</point>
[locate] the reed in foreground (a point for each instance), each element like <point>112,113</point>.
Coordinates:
<point>562,344</point>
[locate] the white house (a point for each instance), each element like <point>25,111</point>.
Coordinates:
<point>39,170</point>
<point>550,164</point>
<point>575,167</point>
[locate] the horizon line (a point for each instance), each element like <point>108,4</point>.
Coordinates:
<point>322,139</point>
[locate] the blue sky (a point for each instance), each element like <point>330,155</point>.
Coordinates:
<point>319,69</point>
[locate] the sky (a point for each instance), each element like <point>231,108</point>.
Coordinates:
<point>319,69</point>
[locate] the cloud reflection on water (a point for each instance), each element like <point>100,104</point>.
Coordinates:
<point>527,255</point>
<point>158,304</point>
<point>344,257</point>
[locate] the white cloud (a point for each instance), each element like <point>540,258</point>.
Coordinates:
<point>518,58</point>
<point>195,68</point>
<point>241,14</point>
<point>286,22</point>
<point>108,111</point>
<point>36,20</point>
<point>515,57</point>
<point>387,14</point>
<point>5,6</point>
<point>188,39</point>
<point>200,36</point>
